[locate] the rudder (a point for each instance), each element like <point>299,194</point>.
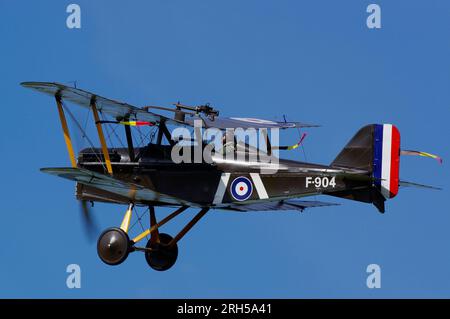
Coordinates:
<point>386,159</point>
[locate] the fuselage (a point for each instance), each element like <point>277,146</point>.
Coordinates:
<point>216,183</point>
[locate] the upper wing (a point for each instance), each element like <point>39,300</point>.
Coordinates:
<point>131,191</point>
<point>240,122</point>
<point>126,111</point>
<point>278,205</point>
<point>83,98</point>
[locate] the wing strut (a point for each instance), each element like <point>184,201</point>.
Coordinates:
<point>67,139</point>
<point>129,143</point>
<point>156,226</point>
<point>163,131</point>
<point>101,136</point>
<point>188,227</point>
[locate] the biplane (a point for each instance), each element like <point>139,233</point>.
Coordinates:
<point>366,170</point>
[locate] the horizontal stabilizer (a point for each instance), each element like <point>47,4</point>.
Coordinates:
<point>410,184</point>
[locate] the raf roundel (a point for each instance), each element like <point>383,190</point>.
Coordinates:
<point>241,188</point>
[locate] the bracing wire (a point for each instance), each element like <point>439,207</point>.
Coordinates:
<point>304,154</point>
<point>83,132</point>
<point>112,131</point>
<point>142,142</point>
<point>139,220</point>
<point>118,137</point>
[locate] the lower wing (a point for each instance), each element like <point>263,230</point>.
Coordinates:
<point>276,205</point>
<point>133,192</point>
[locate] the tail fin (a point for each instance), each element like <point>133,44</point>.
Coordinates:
<point>358,153</point>
<point>375,149</point>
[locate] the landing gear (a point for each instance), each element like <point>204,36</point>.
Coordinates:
<point>161,256</point>
<point>161,251</point>
<point>113,246</point>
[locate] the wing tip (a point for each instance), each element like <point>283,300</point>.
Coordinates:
<point>39,85</point>
<point>300,125</point>
<point>28,84</point>
<point>52,170</point>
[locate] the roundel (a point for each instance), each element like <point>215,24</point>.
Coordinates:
<point>241,188</point>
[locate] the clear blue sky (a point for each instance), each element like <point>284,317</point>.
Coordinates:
<point>315,61</point>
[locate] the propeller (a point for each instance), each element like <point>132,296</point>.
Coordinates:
<point>89,225</point>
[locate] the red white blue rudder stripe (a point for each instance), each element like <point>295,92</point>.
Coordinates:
<point>386,159</point>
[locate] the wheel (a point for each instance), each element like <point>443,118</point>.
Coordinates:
<point>113,246</point>
<point>162,257</point>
